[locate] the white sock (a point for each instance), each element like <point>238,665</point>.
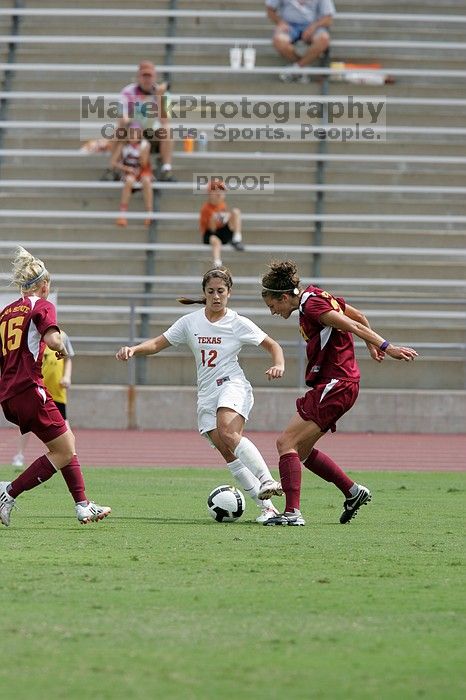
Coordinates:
<point>218,262</point>
<point>247,481</point>
<point>166,167</point>
<point>354,490</point>
<point>250,456</point>
<point>237,237</point>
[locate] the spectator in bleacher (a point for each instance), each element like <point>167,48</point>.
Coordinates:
<point>215,335</point>
<point>300,20</point>
<point>56,373</point>
<point>327,324</point>
<point>144,101</point>
<point>28,325</point>
<point>217,224</point>
<point>131,158</point>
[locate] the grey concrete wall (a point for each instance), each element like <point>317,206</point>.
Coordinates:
<point>175,407</point>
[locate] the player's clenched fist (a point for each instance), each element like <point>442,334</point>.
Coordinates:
<point>124,353</point>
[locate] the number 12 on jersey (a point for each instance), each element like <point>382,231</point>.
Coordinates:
<point>208,358</point>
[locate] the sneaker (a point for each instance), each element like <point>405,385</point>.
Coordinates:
<point>7,503</point>
<point>238,245</point>
<point>267,512</point>
<point>166,176</point>
<point>294,519</point>
<point>269,489</point>
<point>289,75</point>
<point>352,505</point>
<point>91,513</point>
<point>18,460</point>
<point>121,221</point>
<point>294,74</point>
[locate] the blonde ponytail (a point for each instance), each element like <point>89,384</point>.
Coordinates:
<point>28,271</point>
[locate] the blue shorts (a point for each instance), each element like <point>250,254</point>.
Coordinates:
<point>297,29</point>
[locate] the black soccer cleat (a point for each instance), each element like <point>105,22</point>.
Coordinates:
<point>352,505</point>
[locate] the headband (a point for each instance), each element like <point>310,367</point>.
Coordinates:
<point>295,290</point>
<point>26,285</point>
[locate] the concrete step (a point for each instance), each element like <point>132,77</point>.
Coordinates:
<point>173,369</point>
<point>408,331</point>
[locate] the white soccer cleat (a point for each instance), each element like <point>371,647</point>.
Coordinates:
<point>269,489</point>
<point>267,512</point>
<point>18,460</point>
<point>293,518</point>
<point>7,503</point>
<point>91,513</point>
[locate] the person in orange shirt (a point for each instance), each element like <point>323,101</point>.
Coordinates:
<point>219,225</point>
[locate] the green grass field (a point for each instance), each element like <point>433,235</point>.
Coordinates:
<point>159,601</point>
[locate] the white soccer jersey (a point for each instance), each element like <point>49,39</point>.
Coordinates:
<point>215,346</point>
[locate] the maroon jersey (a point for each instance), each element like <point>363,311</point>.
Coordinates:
<point>330,352</point>
<point>22,325</point>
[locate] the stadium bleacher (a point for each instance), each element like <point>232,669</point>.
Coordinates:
<point>385,225</point>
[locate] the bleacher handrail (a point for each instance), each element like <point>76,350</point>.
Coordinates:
<point>276,187</point>
<point>62,96</point>
<point>245,155</point>
<point>77,214</point>
<point>211,69</point>
<point>180,281</point>
<point>91,127</point>
<point>410,251</point>
<point>221,14</point>
<point>220,41</point>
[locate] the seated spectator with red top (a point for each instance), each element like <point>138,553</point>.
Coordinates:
<point>217,224</point>
<point>132,159</point>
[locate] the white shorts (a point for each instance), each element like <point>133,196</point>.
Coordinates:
<point>234,393</point>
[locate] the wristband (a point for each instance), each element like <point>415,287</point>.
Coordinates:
<point>384,345</point>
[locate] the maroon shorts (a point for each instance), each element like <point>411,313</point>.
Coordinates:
<point>326,402</point>
<point>35,411</point>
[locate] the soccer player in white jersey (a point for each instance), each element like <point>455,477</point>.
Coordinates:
<point>215,336</point>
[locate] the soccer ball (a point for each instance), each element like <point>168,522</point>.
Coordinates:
<point>226,504</point>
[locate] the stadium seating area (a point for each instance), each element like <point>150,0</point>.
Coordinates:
<point>381,223</point>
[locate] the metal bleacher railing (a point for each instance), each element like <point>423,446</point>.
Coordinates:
<point>225,70</point>
<point>220,14</point>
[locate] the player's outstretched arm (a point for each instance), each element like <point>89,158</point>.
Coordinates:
<point>148,347</point>
<point>345,323</point>
<point>278,359</point>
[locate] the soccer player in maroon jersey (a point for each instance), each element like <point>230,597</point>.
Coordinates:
<point>327,324</point>
<point>27,325</point>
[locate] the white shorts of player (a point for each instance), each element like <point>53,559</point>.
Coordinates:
<point>234,393</point>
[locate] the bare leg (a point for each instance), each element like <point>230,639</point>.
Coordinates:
<point>148,196</point>
<point>126,192</point>
<point>216,247</point>
<point>235,220</point>
<point>320,43</point>
<point>18,459</point>
<point>166,150</point>
<point>285,48</point>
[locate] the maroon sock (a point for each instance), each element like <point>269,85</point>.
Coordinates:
<point>73,476</point>
<point>322,465</point>
<point>39,471</point>
<point>290,476</point>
